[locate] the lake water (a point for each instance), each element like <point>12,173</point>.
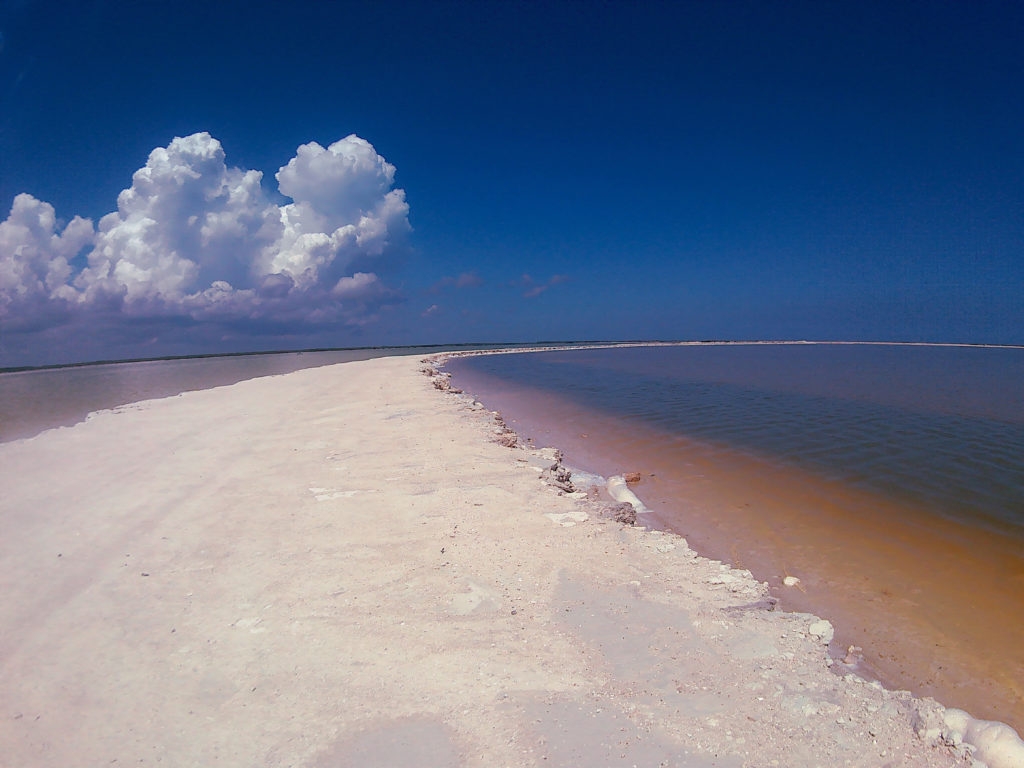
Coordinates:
<point>35,400</point>
<point>888,478</point>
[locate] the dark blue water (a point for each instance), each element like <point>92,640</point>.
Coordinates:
<point>939,426</point>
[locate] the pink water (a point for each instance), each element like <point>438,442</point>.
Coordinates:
<point>898,509</point>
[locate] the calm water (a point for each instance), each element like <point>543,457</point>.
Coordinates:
<point>889,479</point>
<point>940,426</point>
<point>33,401</point>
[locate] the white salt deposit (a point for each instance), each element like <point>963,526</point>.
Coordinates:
<point>586,480</point>
<point>996,744</point>
<point>822,630</point>
<point>619,491</point>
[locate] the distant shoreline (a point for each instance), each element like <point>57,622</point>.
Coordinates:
<point>748,343</point>
<point>501,347</point>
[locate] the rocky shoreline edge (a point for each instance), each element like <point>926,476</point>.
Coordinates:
<point>948,731</point>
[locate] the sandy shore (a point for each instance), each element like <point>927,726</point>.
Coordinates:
<point>345,567</point>
<point>889,574</point>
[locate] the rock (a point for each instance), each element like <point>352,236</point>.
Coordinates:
<point>550,454</point>
<point>791,581</point>
<point>632,478</point>
<point>559,476</point>
<point>443,382</point>
<point>506,436</point>
<point>620,513</point>
<point>618,490</point>
<point>927,721</point>
<point>822,630</point>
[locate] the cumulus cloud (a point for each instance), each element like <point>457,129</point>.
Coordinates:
<point>35,260</point>
<point>196,239</point>
<point>344,208</point>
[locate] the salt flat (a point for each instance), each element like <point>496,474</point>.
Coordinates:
<point>344,566</point>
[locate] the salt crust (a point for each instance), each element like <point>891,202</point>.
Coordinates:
<point>343,566</point>
<point>982,742</point>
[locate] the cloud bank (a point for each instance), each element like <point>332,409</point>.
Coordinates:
<point>195,240</point>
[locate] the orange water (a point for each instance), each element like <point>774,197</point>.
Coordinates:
<point>936,603</point>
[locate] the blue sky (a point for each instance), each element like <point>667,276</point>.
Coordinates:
<point>458,172</point>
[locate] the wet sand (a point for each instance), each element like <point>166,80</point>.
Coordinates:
<point>344,566</point>
<point>933,606</point>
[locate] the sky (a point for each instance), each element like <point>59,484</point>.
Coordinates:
<point>194,177</point>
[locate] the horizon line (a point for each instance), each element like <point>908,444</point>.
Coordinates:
<point>497,347</point>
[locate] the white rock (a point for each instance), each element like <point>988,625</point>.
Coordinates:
<point>616,487</point>
<point>791,581</point>
<point>822,630</point>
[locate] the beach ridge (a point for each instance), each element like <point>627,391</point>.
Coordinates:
<point>345,566</point>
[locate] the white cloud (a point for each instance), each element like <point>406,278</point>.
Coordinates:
<point>197,239</point>
<point>344,208</point>
<point>360,286</point>
<point>35,256</point>
<point>344,180</point>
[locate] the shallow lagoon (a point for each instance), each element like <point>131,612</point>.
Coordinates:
<point>888,478</point>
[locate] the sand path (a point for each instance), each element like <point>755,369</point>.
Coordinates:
<point>342,567</point>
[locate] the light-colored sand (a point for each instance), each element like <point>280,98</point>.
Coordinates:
<point>343,567</point>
